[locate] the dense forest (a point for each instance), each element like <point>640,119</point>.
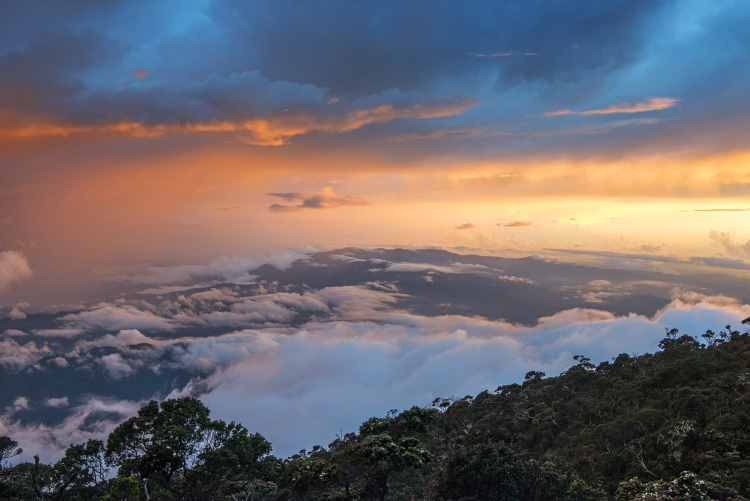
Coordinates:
<point>673,425</point>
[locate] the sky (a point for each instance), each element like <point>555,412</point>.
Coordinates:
<point>190,143</point>
<point>136,133</point>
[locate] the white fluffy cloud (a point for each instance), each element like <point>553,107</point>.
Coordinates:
<point>360,357</point>
<point>14,268</point>
<point>81,425</point>
<point>115,317</point>
<point>225,269</point>
<point>451,268</point>
<point>58,402</point>
<point>16,354</point>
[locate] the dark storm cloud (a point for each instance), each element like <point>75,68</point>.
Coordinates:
<point>44,76</point>
<point>341,47</point>
<point>361,48</point>
<point>181,63</point>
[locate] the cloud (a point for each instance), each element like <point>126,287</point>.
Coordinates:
<point>40,74</point>
<point>288,196</point>
<point>93,419</point>
<point>275,130</point>
<point>650,248</point>
<point>14,268</point>
<point>326,199</point>
<point>338,42</point>
<point>653,104</point>
<point>226,269</point>
<point>20,404</point>
<point>114,318</point>
<point>721,262</point>
<point>15,355</point>
<point>78,82</point>
<point>116,366</point>
<point>58,333</point>
<point>515,279</point>
<point>727,243</point>
<point>452,268</point>
<point>57,403</point>
<point>278,308</point>
<point>732,209</point>
<point>622,256</point>
<point>465,226</point>
<point>17,311</point>
<point>516,224</point>
<point>497,55</point>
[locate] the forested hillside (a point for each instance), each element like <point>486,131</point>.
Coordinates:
<point>674,425</point>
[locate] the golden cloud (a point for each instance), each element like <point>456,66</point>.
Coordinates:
<point>653,104</point>
<point>276,130</point>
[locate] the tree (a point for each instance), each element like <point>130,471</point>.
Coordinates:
<point>26,481</point>
<point>233,463</point>
<point>374,459</point>
<point>685,487</point>
<point>80,473</point>
<point>160,444</point>
<point>8,449</point>
<point>493,472</point>
<point>175,449</point>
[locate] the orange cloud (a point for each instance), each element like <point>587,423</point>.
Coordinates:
<point>653,104</point>
<point>276,130</point>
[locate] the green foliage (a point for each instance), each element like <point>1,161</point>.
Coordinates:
<point>685,487</point>
<point>8,449</point>
<point>162,441</point>
<point>81,472</point>
<point>674,425</point>
<point>174,450</point>
<point>122,488</point>
<point>488,471</point>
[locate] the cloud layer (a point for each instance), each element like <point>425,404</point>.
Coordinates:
<point>327,357</point>
<point>275,130</point>
<point>14,268</point>
<point>653,104</point>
